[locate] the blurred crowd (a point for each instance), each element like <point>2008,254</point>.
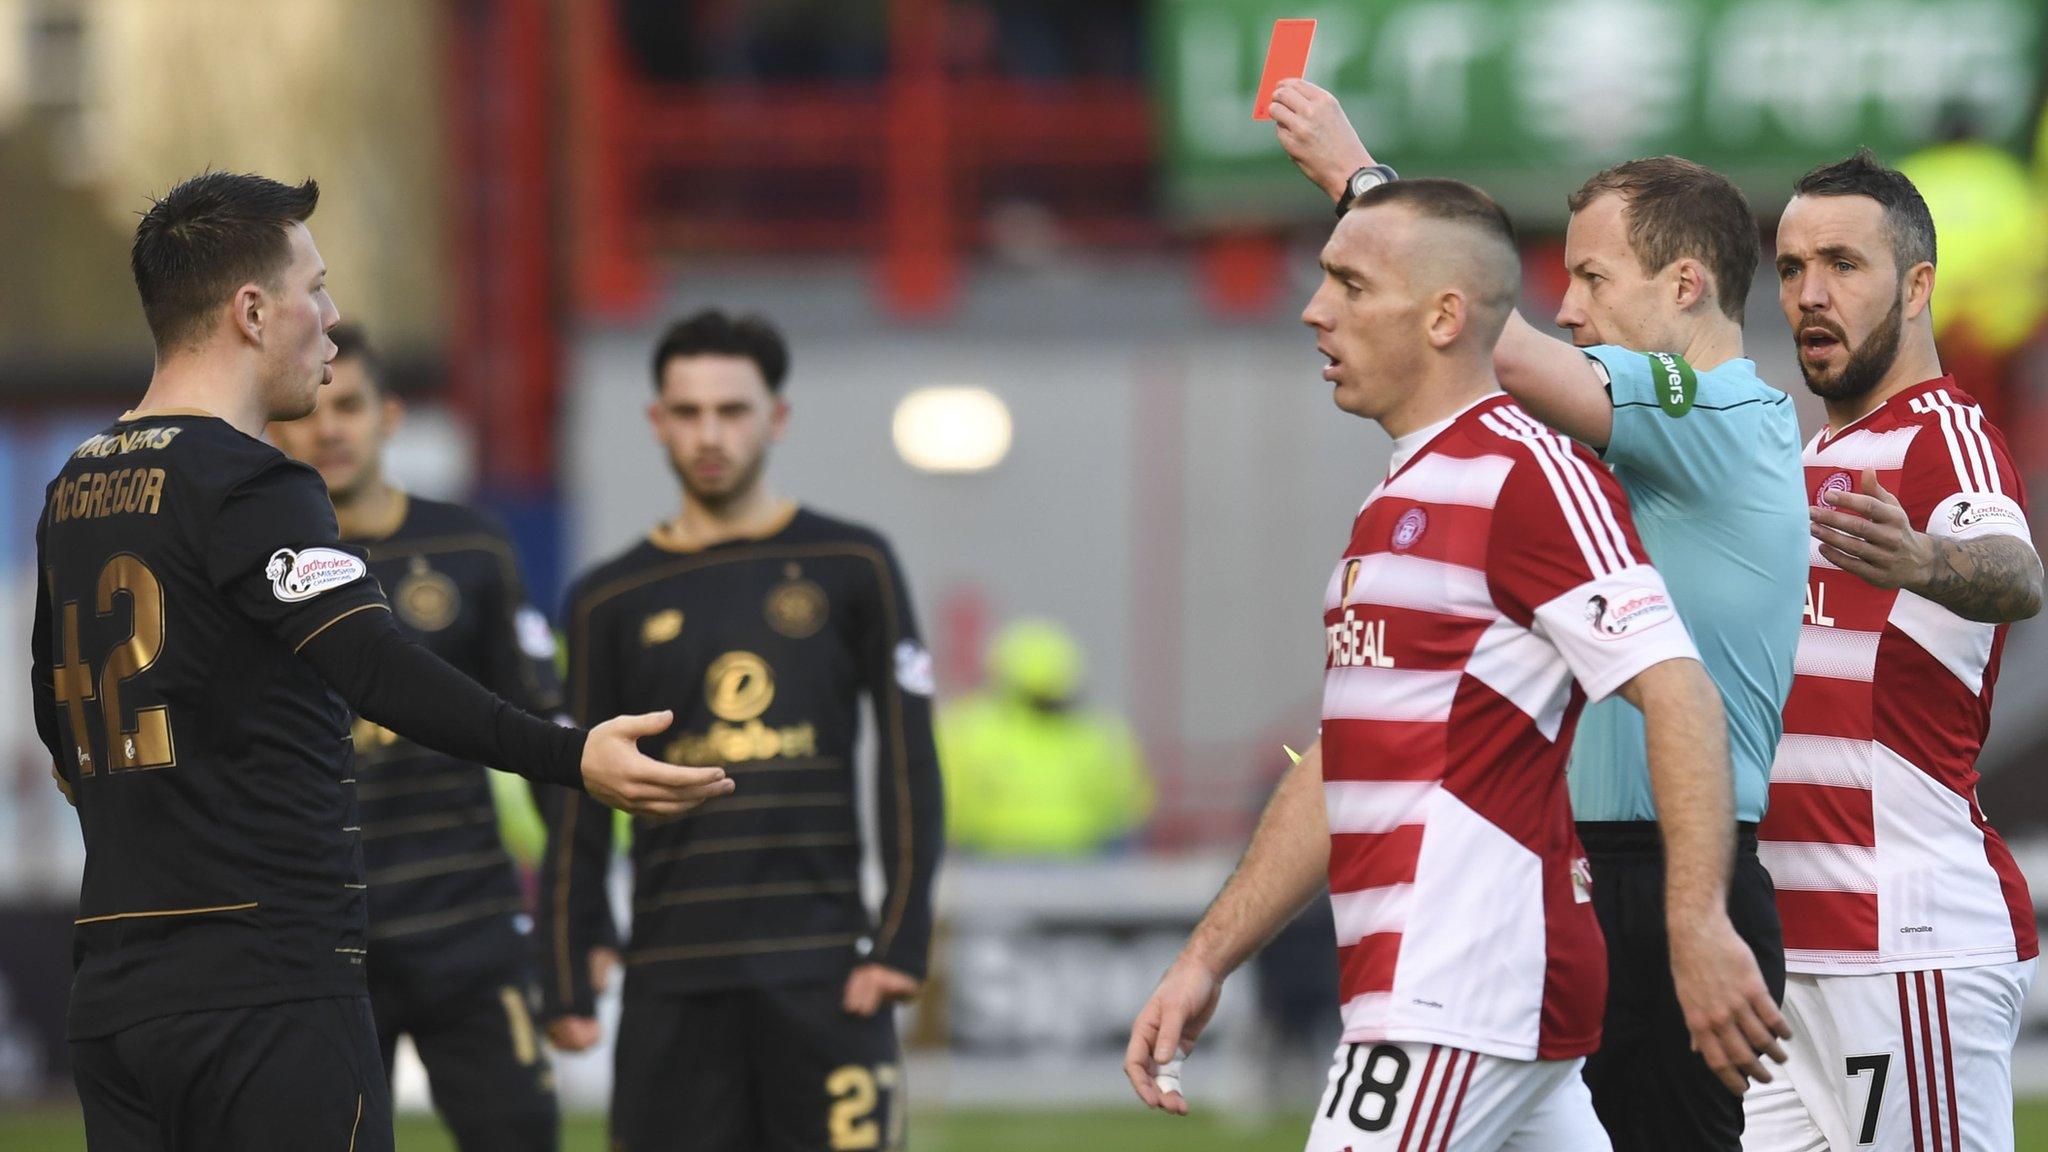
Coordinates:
<point>842,40</point>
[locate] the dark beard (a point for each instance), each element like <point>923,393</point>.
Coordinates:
<point>1867,365</point>
<point>742,484</point>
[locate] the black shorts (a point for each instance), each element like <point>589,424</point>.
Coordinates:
<point>299,1075</point>
<point>487,1065</point>
<point>778,1069</point>
<point>1653,1093</point>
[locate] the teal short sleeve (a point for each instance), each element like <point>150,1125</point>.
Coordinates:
<point>1662,439</point>
<point>1711,463</point>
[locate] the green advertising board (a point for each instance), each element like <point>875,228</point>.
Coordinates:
<point>1528,97</point>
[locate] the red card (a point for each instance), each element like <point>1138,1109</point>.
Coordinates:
<point>1286,59</point>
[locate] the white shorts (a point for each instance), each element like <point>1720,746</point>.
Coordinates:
<point>1429,1098</point>
<point>1897,1062</point>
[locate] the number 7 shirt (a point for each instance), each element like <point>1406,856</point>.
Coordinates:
<point>1883,860</point>
<point>1493,584</point>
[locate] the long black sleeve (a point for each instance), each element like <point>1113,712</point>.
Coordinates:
<point>42,663</point>
<point>390,680</point>
<point>574,914</point>
<point>897,674</point>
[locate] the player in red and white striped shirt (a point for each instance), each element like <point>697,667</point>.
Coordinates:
<point>1491,585</point>
<point>1909,934</point>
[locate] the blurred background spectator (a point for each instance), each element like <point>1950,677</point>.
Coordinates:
<point>1030,769</point>
<point>1991,292</point>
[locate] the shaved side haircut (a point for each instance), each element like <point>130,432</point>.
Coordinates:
<point>1478,252</point>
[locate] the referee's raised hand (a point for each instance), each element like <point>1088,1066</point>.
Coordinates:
<point>1317,135</point>
<point>618,775</point>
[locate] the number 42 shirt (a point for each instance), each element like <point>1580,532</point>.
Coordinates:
<point>182,564</point>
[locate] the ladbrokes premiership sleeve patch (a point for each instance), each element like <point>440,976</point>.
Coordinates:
<point>914,668</point>
<point>275,553</point>
<point>1966,515</point>
<point>1610,628</point>
<point>306,573</point>
<point>536,639</point>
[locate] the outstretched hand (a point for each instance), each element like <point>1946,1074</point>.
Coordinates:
<point>617,775</point>
<point>1317,135</point>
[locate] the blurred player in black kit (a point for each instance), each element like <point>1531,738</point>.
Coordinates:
<point>756,978</point>
<point>200,635</point>
<point>450,951</point>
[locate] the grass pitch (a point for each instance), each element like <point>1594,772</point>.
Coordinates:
<point>56,1129</point>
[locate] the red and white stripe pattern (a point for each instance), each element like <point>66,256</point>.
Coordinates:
<point>1573,480</point>
<point>1881,858</point>
<point>1439,1095</point>
<point>1456,624</point>
<point>1971,454</point>
<point>1930,1062</point>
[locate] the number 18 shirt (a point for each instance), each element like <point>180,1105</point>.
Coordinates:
<point>1493,584</point>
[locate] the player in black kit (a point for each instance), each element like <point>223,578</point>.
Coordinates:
<point>756,978</point>
<point>200,633</point>
<point>450,955</point>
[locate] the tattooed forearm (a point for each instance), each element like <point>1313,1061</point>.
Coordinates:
<point>1992,579</point>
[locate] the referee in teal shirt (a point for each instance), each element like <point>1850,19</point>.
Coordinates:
<point>1710,458</point>
<point>1661,253</point>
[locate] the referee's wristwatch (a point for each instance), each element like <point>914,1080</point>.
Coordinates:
<point>1362,181</point>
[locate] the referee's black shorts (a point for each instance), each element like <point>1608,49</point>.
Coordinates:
<point>1651,1090</point>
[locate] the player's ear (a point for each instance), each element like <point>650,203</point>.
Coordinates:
<point>1690,279</point>
<point>1918,289</point>
<point>1447,318</point>
<point>250,310</point>
<point>778,418</point>
<point>393,410</point>
<point>654,415</point>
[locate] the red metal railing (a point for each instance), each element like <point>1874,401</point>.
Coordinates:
<point>905,169</point>
<point>503,340</point>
